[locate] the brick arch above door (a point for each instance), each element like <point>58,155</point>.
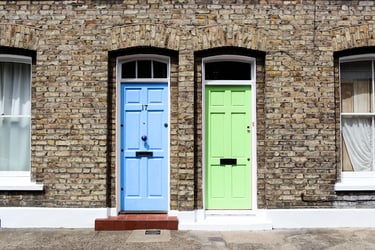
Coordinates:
<point>177,38</point>
<point>244,36</point>
<point>154,35</point>
<point>18,36</point>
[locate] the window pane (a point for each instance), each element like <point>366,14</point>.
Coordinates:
<point>357,148</point>
<point>356,70</point>
<point>15,96</point>
<point>128,70</point>
<point>347,94</point>
<point>144,69</point>
<point>356,87</point>
<point>15,143</point>
<point>228,70</point>
<point>160,69</point>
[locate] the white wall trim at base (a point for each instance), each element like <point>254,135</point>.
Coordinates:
<point>226,221</point>
<point>321,218</point>
<point>267,219</point>
<point>38,217</point>
<point>262,219</point>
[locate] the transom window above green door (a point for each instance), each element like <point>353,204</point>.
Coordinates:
<point>227,70</point>
<point>144,69</point>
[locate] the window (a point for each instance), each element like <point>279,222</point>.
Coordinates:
<point>227,70</point>
<point>15,120</point>
<point>147,69</point>
<point>357,123</point>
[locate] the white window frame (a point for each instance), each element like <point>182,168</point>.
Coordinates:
<point>18,180</point>
<point>252,83</point>
<point>356,181</point>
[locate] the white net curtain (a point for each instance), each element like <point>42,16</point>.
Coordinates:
<point>358,134</point>
<point>15,101</point>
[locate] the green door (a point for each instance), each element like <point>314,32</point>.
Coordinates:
<point>228,147</point>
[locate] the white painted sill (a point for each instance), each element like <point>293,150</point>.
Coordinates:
<point>360,181</point>
<point>346,186</point>
<point>31,186</point>
<point>18,181</point>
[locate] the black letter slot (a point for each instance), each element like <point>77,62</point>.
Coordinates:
<point>144,153</point>
<point>228,161</point>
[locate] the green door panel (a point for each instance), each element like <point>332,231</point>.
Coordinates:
<point>228,135</point>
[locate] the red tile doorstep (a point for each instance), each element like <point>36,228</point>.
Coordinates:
<point>137,221</point>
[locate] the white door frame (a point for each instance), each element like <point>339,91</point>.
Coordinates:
<point>251,83</point>
<point>119,61</point>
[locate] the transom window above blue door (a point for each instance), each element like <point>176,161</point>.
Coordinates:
<point>144,69</point>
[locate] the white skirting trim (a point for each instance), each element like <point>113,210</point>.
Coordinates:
<point>261,219</point>
<point>318,218</point>
<point>265,219</point>
<point>223,220</point>
<point>38,217</point>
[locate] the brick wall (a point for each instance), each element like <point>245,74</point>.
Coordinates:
<point>73,109</point>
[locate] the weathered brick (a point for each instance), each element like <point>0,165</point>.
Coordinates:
<point>297,109</point>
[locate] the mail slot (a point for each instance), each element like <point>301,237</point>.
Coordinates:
<point>228,161</point>
<point>144,153</point>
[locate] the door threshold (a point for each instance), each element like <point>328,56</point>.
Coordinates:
<point>143,212</point>
<point>230,212</point>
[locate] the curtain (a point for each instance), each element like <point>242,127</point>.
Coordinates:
<point>358,138</point>
<point>15,106</point>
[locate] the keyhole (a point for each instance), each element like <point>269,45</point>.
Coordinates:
<point>144,137</point>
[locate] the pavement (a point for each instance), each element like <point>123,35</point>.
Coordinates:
<point>333,239</point>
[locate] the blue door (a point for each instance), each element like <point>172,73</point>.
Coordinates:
<point>144,147</point>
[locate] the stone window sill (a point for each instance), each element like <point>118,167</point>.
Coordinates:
<point>21,187</point>
<point>356,181</point>
<point>18,181</point>
<point>347,186</point>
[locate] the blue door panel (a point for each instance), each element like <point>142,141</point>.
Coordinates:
<point>132,174</point>
<point>132,130</point>
<point>155,123</point>
<point>133,96</point>
<point>155,96</point>
<point>144,127</point>
<point>154,175</point>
